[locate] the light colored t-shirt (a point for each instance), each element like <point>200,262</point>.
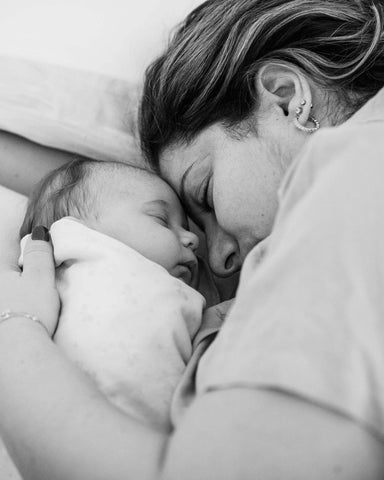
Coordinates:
<point>309,314</point>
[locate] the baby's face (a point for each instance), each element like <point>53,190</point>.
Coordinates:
<point>145,214</point>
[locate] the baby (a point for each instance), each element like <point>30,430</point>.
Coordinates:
<point>125,267</point>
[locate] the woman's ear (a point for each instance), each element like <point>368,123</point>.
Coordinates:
<point>284,87</point>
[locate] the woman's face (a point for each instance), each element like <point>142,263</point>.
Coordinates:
<point>229,186</point>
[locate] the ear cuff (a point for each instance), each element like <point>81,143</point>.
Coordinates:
<point>302,128</point>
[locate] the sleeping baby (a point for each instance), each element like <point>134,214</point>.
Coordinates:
<point>126,266</point>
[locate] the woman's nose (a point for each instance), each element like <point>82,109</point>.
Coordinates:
<point>190,240</point>
<point>223,252</point>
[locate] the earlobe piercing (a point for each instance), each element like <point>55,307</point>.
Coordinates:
<point>299,126</point>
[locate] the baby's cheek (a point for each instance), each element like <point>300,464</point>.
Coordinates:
<point>166,251</point>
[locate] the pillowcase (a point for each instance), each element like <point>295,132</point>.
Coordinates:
<point>71,71</point>
<point>87,113</point>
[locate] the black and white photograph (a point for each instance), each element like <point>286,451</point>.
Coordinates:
<point>192,240</point>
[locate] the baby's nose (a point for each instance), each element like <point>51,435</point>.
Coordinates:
<point>190,240</point>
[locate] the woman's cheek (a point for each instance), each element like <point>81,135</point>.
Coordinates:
<point>222,206</point>
<point>228,215</point>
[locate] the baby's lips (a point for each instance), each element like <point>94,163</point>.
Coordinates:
<point>182,272</point>
<point>187,272</point>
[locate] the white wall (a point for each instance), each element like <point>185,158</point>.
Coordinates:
<point>116,37</point>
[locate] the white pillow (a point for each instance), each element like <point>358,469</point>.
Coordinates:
<point>71,71</point>
<point>118,38</point>
<point>87,113</point>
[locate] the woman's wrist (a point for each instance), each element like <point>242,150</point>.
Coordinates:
<point>22,323</point>
<point>9,315</point>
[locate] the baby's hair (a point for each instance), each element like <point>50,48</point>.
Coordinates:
<point>67,191</point>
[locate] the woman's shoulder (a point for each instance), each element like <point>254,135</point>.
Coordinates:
<point>358,139</point>
<point>344,149</point>
<point>351,142</point>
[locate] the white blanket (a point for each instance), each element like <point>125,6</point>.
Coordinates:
<point>124,320</point>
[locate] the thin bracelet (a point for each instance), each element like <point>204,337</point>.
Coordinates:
<point>7,314</point>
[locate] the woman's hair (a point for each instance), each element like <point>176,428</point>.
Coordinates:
<point>207,74</point>
<point>71,190</point>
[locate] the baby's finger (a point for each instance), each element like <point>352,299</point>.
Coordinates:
<point>39,263</point>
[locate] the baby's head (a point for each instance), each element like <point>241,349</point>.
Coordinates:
<point>126,202</point>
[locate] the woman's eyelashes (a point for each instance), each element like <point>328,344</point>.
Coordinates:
<point>199,202</point>
<point>204,196</point>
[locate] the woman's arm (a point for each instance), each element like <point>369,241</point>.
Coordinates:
<point>58,426</point>
<point>12,209</point>
<point>23,163</point>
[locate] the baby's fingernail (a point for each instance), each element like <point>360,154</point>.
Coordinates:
<point>40,233</point>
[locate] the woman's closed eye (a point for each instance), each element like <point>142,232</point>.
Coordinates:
<point>199,201</point>
<point>204,195</point>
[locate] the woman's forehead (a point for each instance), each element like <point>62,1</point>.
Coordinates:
<point>176,161</point>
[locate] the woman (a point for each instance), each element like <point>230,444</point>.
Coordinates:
<point>293,385</point>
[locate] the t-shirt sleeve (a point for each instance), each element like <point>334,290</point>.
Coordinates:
<point>309,320</point>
